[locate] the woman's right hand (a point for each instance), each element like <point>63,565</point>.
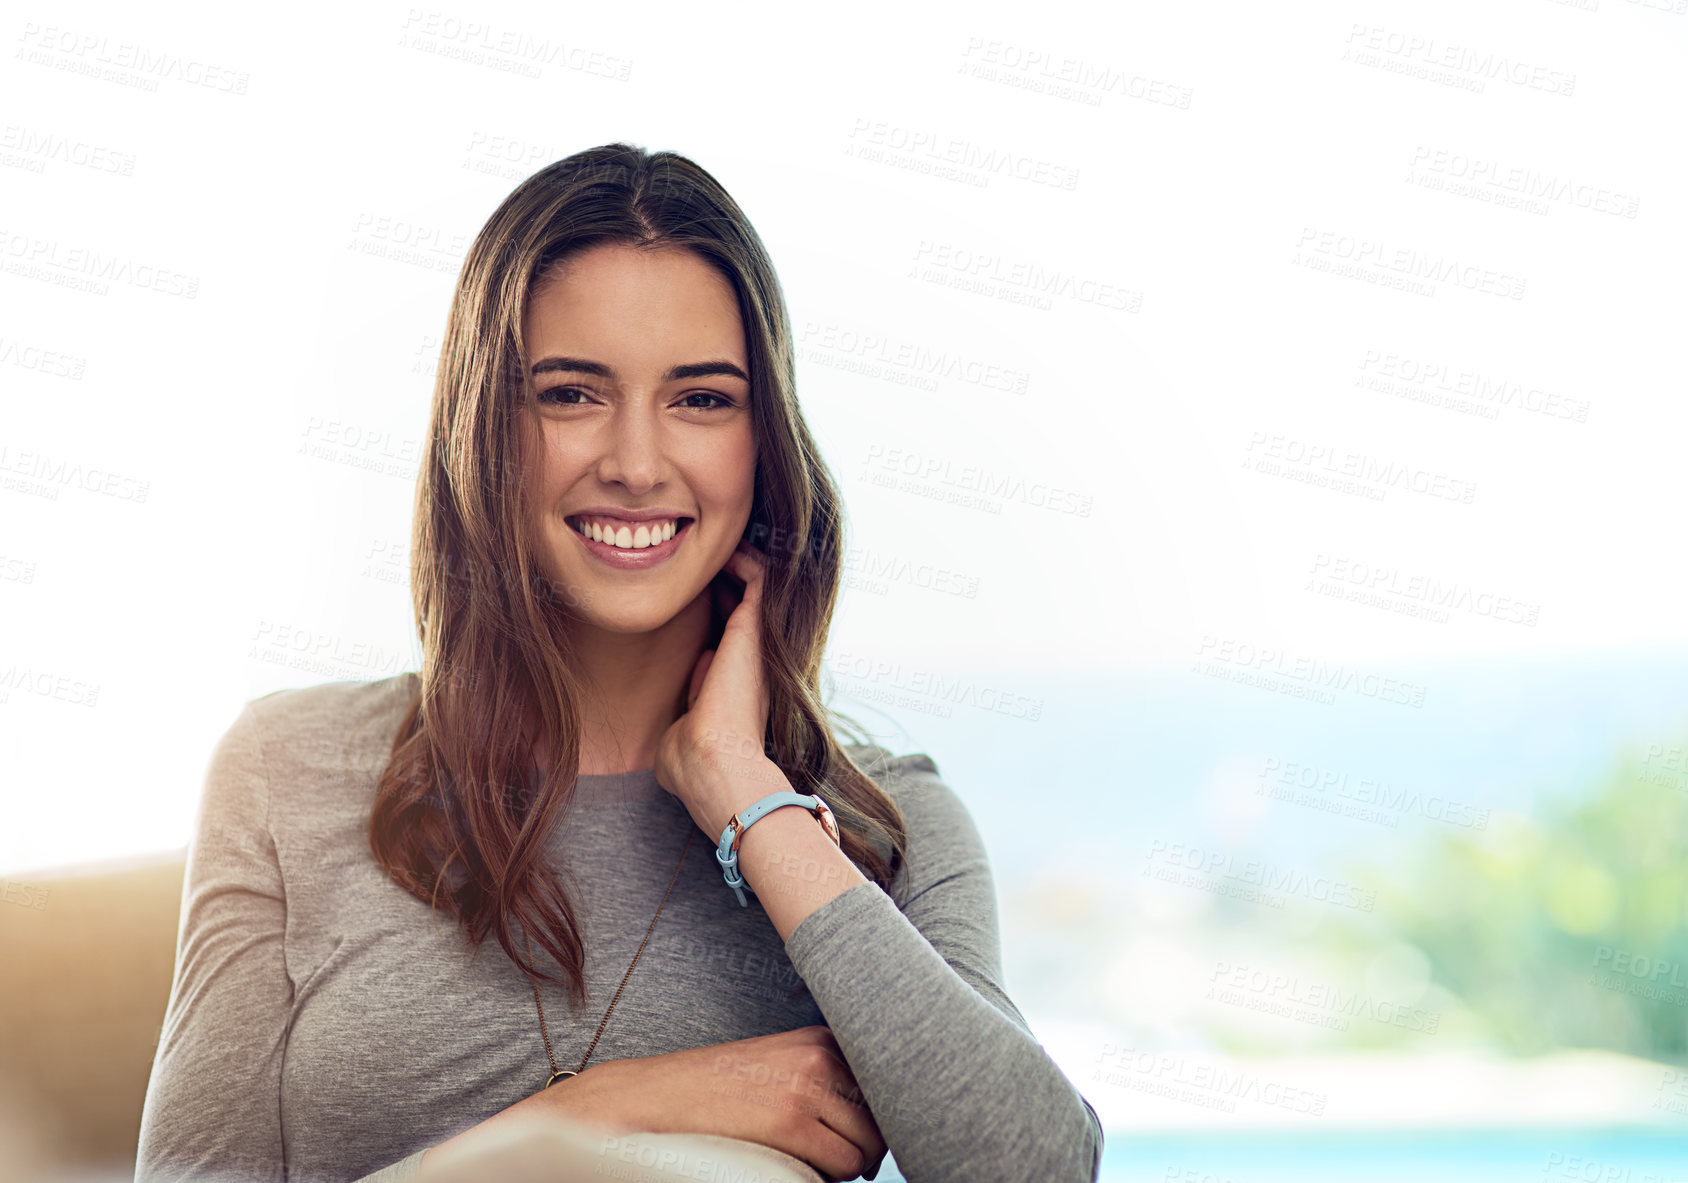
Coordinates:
<point>791,1090</point>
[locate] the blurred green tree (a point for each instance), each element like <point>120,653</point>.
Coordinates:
<point>1565,929</point>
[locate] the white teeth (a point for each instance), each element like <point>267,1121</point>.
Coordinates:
<point>628,538</point>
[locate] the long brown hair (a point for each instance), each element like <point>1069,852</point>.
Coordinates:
<point>455,817</point>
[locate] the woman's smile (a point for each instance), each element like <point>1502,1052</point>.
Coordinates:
<point>629,545</point>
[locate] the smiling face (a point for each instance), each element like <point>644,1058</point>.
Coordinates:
<point>641,416</point>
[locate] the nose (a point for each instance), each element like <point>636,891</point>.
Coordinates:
<point>633,452</point>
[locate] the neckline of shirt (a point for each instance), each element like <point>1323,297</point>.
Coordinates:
<point>639,784</point>
<point>623,784</point>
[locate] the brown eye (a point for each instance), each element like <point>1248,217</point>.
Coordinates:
<point>554,395</point>
<point>719,399</point>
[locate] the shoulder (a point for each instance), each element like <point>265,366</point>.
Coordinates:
<point>332,712</point>
<point>942,835</point>
<point>330,736</point>
<point>882,766</point>
<point>912,781</point>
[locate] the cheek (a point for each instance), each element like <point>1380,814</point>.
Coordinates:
<point>726,476</point>
<point>559,462</point>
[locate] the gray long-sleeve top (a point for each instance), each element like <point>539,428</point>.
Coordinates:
<point>324,1025</point>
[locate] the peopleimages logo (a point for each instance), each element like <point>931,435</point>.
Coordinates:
<point>47,258</point>
<point>1066,76</point>
<point>1471,384</point>
<point>1302,783</point>
<point>510,50</point>
<point>1390,582</point>
<point>1657,970</point>
<point>1320,1004</point>
<point>1409,261</point>
<point>931,146</point>
<point>1525,182</point>
<point>1209,1085</point>
<point>1217,866</point>
<point>41,147</point>
<point>90,52</point>
<point>1228,652</point>
<point>1271,454</point>
<point>45,684</point>
<point>925,468</point>
<point>935,686</point>
<point>1428,54</point>
<point>24,895</point>
<point>57,472</point>
<point>944,258</point>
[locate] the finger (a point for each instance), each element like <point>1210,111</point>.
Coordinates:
<point>834,1155</point>
<point>840,1140</point>
<point>747,563</point>
<point>863,1138</point>
<point>845,1110</point>
<point>745,620</point>
<point>797,1122</point>
<point>840,1105</point>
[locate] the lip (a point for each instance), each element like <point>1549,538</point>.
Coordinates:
<point>628,515</point>
<point>634,560</point>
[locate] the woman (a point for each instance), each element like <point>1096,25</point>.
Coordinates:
<point>625,559</point>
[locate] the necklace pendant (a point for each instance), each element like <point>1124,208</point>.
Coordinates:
<point>562,1074</point>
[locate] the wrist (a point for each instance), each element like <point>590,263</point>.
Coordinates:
<point>765,842</point>
<point>737,787</point>
<point>771,818</point>
<point>794,867</point>
<point>752,777</point>
<point>586,1097</point>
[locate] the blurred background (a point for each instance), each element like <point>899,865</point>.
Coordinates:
<point>1261,432</point>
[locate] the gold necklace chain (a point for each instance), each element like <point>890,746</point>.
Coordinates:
<point>557,1074</point>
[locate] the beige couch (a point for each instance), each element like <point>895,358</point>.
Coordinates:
<point>86,960</point>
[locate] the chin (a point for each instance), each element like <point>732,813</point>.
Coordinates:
<point>605,605</point>
<point>630,625</point>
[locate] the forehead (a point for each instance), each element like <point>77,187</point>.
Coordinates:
<point>648,305</point>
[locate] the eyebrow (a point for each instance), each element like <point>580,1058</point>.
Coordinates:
<point>700,369</point>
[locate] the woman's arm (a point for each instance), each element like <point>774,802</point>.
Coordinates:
<point>960,1087</point>
<point>213,1101</point>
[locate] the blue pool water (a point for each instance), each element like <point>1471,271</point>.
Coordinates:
<point>1639,1155</point>
<point>1635,1155</point>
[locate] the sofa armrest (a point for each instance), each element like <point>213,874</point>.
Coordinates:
<point>84,981</point>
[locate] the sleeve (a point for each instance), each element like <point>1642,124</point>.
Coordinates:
<point>212,1111</point>
<point>913,993</point>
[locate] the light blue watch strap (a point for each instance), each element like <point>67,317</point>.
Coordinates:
<point>726,852</point>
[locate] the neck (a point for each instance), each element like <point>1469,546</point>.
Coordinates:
<point>636,688</point>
